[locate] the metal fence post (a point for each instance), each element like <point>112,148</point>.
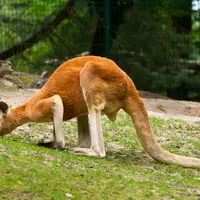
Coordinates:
<point>107,27</point>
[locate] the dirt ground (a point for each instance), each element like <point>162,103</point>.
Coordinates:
<point>157,106</point>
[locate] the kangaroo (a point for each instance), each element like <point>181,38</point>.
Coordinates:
<point>92,86</point>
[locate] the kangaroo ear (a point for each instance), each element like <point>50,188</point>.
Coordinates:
<point>4,107</point>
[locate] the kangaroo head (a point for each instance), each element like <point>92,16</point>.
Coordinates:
<point>4,119</point>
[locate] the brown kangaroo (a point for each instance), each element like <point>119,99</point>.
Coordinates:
<point>88,85</point>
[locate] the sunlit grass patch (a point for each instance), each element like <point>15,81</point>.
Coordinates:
<point>127,172</point>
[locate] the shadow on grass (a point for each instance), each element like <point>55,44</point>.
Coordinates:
<point>130,157</point>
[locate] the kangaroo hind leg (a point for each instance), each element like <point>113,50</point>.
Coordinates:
<point>94,93</point>
<point>95,104</point>
<point>97,143</point>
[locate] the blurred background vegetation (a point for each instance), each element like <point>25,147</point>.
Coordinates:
<point>157,42</point>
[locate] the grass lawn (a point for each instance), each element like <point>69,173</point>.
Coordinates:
<point>127,173</point>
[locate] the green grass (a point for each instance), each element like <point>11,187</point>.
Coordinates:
<point>25,79</point>
<point>127,173</point>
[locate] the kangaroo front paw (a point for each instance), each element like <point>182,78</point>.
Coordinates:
<point>53,145</point>
<point>46,144</point>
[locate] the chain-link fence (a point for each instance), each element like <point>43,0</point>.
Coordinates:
<point>155,42</point>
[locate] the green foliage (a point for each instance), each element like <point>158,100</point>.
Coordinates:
<point>22,19</point>
<point>195,35</point>
<point>152,44</point>
<point>153,47</point>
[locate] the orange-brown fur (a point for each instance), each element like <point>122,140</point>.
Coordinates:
<point>92,85</point>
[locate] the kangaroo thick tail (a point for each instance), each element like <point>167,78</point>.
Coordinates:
<point>134,106</point>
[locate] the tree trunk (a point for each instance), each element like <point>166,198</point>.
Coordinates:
<point>117,11</point>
